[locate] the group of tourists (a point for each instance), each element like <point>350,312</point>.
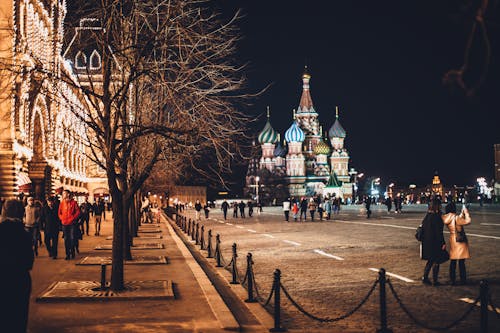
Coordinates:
<point>300,207</point>
<point>433,246</point>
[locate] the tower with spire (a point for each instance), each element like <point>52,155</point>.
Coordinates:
<point>308,163</point>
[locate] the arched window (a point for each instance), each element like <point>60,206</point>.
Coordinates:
<point>80,60</point>
<point>95,60</point>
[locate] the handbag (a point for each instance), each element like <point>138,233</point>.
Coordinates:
<point>442,257</point>
<point>419,233</point>
<point>460,235</point>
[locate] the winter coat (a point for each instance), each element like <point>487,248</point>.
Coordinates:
<point>312,206</point>
<point>432,236</point>
<point>50,220</point>
<point>454,222</point>
<point>16,259</point>
<point>31,216</point>
<point>68,212</point>
<point>286,205</point>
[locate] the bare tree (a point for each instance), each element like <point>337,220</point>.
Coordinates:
<point>166,91</point>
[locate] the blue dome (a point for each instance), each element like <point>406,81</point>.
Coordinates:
<point>280,150</point>
<point>268,134</point>
<point>295,133</point>
<point>336,131</point>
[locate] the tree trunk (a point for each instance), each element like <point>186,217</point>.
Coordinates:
<point>117,280</point>
<point>126,231</point>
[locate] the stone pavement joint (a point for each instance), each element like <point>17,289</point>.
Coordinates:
<point>137,260</point>
<point>140,246</point>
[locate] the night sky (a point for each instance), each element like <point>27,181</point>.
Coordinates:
<point>382,63</point>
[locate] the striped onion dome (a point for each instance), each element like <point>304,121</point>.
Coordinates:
<point>280,150</point>
<point>295,133</point>
<point>336,131</point>
<point>322,148</point>
<point>268,134</point>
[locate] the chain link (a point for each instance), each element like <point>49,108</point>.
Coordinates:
<point>493,306</point>
<point>330,320</point>
<point>424,325</point>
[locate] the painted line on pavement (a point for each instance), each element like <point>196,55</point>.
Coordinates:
<point>490,224</point>
<point>251,230</point>
<point>229,223</point>
<point>393,275</point>
<point>387,217</point>
<point>410,228</point>
<point>327,254</point>
<point>471,301</point>
<point>267,235</point>
<point>291,242</point>
<point>239,226</point>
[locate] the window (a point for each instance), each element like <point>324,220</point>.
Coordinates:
<point>95,60</point>
<point>80,60</point>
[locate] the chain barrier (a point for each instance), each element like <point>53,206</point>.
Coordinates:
<point>493,306</point>
<point>424,325</point>
<point>330,320</point>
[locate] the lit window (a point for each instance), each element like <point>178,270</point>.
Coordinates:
<point>80,60</point>
<point>95,60</point>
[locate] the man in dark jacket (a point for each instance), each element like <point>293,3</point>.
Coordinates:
<point>224,207</point>
<point>433,244</point>
<point>16,260</point>
<point>51,226</point>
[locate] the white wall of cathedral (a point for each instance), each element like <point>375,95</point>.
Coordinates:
<point>337,143</point>
<point>295,166</point>
<point>267,150</point>
<point>294,148</point>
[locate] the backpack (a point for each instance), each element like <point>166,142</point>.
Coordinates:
<point>419,233</point>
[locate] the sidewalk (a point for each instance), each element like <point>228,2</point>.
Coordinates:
<point>196,307</point>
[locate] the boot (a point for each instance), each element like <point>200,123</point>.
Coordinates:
<point>435,275</point>
<point>427,269</point>
<point>453,265</point>
<point>463,272</point>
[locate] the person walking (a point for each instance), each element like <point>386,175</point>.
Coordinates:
<point>85,209</point>
<point>98,210</point>
<point>242,209</point>
<point>312,208</point>
<point>224,206</point>
<point>286,209</point>
<point>303,209</point>
<point>459,251</point>
<point>235,209</point>
<point>51,225</point>
<point>336,205</point>
<point>206,209</point>
<point>320,210</point>
<point>68,214</point>
<point>368,203</point>
<point>16,259</point>
<point>197,208</point>
<point>250,208</point>
<point>32,222</point>
<point>259,206</point>
<point>295,210</point>
<point>328,208</point>
<point>388,203</point>
<point>433,244</point>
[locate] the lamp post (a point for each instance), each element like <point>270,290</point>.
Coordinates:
<point>257,189</point>
<point>372,189</point>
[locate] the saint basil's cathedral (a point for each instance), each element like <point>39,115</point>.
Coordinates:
<point>306,163</point>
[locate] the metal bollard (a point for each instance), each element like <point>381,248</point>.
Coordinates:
<point>197,239</point>
<point>249,275</point>
<point>103,276</point>
<point>209,247</point>
<point>383,303</point>
<point>189,228</point>
<point>217,251</point>
<point>202,241</point>
<point>192,230</point>
<point>277,303</point>
<point>484,299</point>
<point>234,268</point>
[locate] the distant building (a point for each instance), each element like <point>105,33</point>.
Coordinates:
<point>308,162</point>
<point>187,194</point>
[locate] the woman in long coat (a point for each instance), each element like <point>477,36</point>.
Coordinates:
<point>459,251</point>
<point>433,242</point>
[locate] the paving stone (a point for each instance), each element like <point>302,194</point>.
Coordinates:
<point>146,236</point>
<point>140,246</point>
<point>137,260</point>
<point>150,231</point>
<point>61,291</point>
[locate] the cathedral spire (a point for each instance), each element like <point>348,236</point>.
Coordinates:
<point>336,112</point>
<point>268,113</point>
<point>306,104</point>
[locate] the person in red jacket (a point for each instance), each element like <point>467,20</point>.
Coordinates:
<point>68,214</point>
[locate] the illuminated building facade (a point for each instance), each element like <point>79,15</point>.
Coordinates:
<point>497,169</point>
<point>307,162</point>
<point>42,146</point>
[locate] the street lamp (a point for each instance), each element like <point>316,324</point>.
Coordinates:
<point>372,189</point>
<point>257,189</point>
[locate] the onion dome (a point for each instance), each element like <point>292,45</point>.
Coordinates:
<point>280,150</point>
<point>268,134</point>
<point>322,148</point>
<point>336,131</point>
<point>295,133</point>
